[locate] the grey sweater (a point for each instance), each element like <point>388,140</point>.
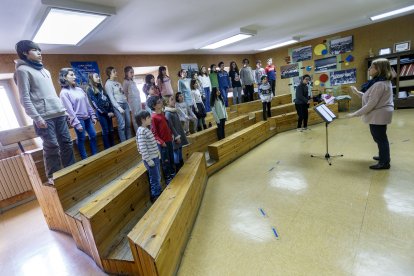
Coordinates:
<point>115,93</point>
<point>175,125</point>
<point>37,93</point>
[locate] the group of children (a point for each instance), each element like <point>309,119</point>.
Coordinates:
<point>164,142</point>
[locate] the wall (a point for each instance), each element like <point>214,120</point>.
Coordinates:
<point>55,62</point>
<point>375,36</point>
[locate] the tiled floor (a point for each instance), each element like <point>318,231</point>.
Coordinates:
<point>342,219</point>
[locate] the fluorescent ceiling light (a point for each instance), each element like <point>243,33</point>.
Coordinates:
<point>280,45</point>
<point>391,13</point>
<point>67,27</point>
<point>227,41</point>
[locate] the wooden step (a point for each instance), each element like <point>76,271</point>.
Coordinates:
<point>159,239</point>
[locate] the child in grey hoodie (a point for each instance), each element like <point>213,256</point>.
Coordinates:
<point>41,103</point>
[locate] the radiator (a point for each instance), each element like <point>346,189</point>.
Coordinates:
<point>14,179</point>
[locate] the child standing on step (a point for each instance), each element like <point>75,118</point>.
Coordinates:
<point>147,147</point>
<point>265,94</point>
<point>163,136</point>
<point>180,139</point>
<point>219,112</point>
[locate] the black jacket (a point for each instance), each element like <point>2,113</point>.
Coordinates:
<point>302,94</point>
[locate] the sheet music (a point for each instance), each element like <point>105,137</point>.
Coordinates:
<point>321,110</point>
<point>328,111</point>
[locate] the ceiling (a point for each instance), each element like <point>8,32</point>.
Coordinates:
<point>181,27</point>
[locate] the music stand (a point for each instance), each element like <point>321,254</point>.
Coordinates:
<point>327,115</point>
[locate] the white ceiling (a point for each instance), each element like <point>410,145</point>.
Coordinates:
<point>180,26</point>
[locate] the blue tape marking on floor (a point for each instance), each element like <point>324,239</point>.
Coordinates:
<point>275,232</point>
<point>262,211</point>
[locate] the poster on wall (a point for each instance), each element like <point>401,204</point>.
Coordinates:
<point>325,64</point>
<point>190,67</point>
<point>301,54</point>
<point>341,45</point>
<point>289,71</point>
<point>82,69</point>
<point>343,77</point>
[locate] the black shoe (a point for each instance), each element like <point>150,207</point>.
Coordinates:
<point>376,158</point>
<point>380,166</point>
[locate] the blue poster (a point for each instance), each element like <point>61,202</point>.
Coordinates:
<point>82,69</point>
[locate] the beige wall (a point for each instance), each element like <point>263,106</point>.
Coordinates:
<point>375,36</point>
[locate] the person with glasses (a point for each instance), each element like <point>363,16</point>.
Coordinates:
<point>302,103</point>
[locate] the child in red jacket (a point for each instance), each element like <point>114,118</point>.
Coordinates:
<point>163,136</point>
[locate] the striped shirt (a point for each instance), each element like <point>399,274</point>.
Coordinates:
<point>146,143</point>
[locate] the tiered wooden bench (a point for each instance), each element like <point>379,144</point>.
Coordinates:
<point>288,121</point>
<point>159,239</point>
<point>199,141</point>
<point>232,147</point>
<point>276,110</point>
<point>111,216</point>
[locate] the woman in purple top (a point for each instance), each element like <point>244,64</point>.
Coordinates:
<point>81,115</point>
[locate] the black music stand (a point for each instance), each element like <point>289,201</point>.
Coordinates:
<point>327,115</point>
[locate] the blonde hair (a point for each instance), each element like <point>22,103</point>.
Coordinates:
<point>382,65</point>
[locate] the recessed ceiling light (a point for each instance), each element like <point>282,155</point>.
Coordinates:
<point>67,27</point>
<point>279,45</point>
<point>240,35</point>
<point>391,13</point>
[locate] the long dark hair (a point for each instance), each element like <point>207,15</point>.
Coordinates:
<point>96,87</point>
<point>201,71</point>
<point>108,71</point>
<point>211,68</point>
<point>235,69</point>
<point>160,76</point>
<point>214,97</point>
<point>126,71</point>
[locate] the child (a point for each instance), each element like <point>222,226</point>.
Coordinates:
<point>147,146</point>
<point>219,112</point>
<point>184,113</point>
<point>265,94</point>
<point>198,106</point>
<point>178,132</point>
<point>163,136</point>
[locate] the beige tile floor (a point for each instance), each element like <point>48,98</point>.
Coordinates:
<point>342,219</point>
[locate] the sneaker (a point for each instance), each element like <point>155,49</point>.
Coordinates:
<point>380,166</point>
<point>376,158</point>
<point>50,182</point>
<point>305,128</point>
<point>299,129</point>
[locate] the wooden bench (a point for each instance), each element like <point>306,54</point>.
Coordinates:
<point>159,239</point>
<point>245,108</point>
<point>237,144</point>
<point>275,110</point>
<point>111,216</point>
<point>79,184</point>
<point>199,141</point>
<point>289,120</point>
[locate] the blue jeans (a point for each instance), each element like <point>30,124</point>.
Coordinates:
<point>167,161</point>
<point>154,177</point>
<point>207,99</point>
<point>57,145</point>
<point>107,129</point>
<point>379,133</point>
<point>223,91</point>
<point>90,129</point>
<point>124,122</point>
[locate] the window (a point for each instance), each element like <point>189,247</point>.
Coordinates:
<point>8,119</point>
